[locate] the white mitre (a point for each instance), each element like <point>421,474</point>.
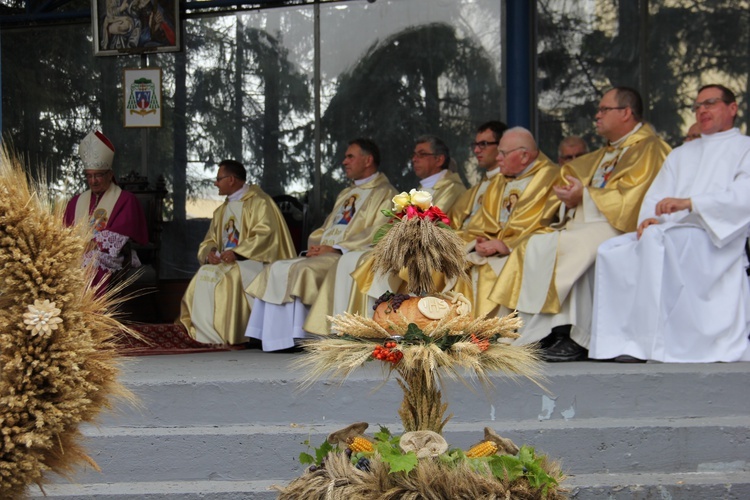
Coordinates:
<point>96,152</point>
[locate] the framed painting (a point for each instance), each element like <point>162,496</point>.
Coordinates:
<point>142,97</point>
<point>135,26</point>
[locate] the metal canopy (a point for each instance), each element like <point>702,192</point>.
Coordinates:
<point>24,13</point>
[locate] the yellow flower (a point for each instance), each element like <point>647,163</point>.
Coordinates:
<point>420,199</point>
<point>42,317</point>
<point>400,201</point>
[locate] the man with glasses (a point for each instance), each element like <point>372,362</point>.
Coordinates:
<point>484,148</point>
<point>549,278</point>
<point>247,231</point>
<point>571,148</point>
<point>514,209</point>
<point>676,290</point>
<point>430,162</point>
<point>286,289</point>
<point>115,215</point>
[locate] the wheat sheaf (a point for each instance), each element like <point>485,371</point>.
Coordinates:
<point>58,362</point>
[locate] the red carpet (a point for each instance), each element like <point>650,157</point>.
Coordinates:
<point>166,338</point>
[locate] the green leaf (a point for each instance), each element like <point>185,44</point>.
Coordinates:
<point>399,462</point>
<point>306,458</point>
<point>526,454</point>
<point>526,464</point>
<point>382,231</point>
<point>388,213</point>
<point>384,434</point>
<point>506,466</point>
<point>322,451</point>
<point>414,334</point>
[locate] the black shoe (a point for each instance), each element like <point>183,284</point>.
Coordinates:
<point>565,349</point>
<point>253,344</point>
<point>291,350</point>
<point>625,358</point>
<point>554,336</point>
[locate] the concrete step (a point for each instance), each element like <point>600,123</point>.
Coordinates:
<point>250,386</point>
<point>183,490</point>
<point>256,452</point>
<point>731,485</point>
<point>678,486</point>
<point>227,425</point>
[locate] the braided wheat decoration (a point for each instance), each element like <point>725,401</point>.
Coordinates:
<point>58,366</point>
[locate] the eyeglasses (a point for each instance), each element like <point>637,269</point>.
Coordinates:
<point>708,103</point>
<point>422,154</point>
<point>483,144</point>
<point>605,109</point>
<point>500,152</point>
<point>571,157</point>
<point>98,176</point>
<point>219,179</point>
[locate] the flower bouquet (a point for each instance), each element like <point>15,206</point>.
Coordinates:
<point>418,237</point>
<point>422,340</point>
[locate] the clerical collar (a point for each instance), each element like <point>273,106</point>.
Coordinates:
<point>359,182</point>
<point>430,181</point>
<point>492,173</point>
<point>239,193</point>
<point>616,144</point>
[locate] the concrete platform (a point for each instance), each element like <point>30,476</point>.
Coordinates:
<point>228,425</point>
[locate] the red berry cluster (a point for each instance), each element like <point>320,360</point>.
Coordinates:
<point>387,352</point>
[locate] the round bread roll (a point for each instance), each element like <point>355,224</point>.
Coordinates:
<point>422,311</point>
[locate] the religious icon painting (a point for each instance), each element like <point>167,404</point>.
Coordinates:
<point>135,26</point>
<point>348,210</point>
<point>142,97</point>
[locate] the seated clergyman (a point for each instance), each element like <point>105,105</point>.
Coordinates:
<point>115,215</point>
<point>247,231</point>
<point>285,290</point>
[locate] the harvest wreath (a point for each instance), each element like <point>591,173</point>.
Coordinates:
<point>422,338</point>
<point>58,363</point>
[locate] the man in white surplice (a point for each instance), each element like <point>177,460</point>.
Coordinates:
<point>677,289</point>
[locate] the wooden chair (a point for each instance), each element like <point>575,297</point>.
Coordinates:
<point>297,218</point>
<point>143,306</point>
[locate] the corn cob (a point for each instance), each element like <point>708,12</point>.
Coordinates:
<point>483,449</point>
<point>358,443</point>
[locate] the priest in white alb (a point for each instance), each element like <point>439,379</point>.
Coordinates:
<point>285,290</point>
<point>677,289</point>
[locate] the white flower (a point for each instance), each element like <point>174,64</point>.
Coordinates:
<point>420,199</point>
<point>400,201</point>
<point>42,317</point>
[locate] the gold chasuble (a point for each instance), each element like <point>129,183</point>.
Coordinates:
<point>446,191</point>
<point>540,273</point>
<point>351,226</point>
<point>462,213</point>
<point>215,309</point>
<point>513,209</point>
